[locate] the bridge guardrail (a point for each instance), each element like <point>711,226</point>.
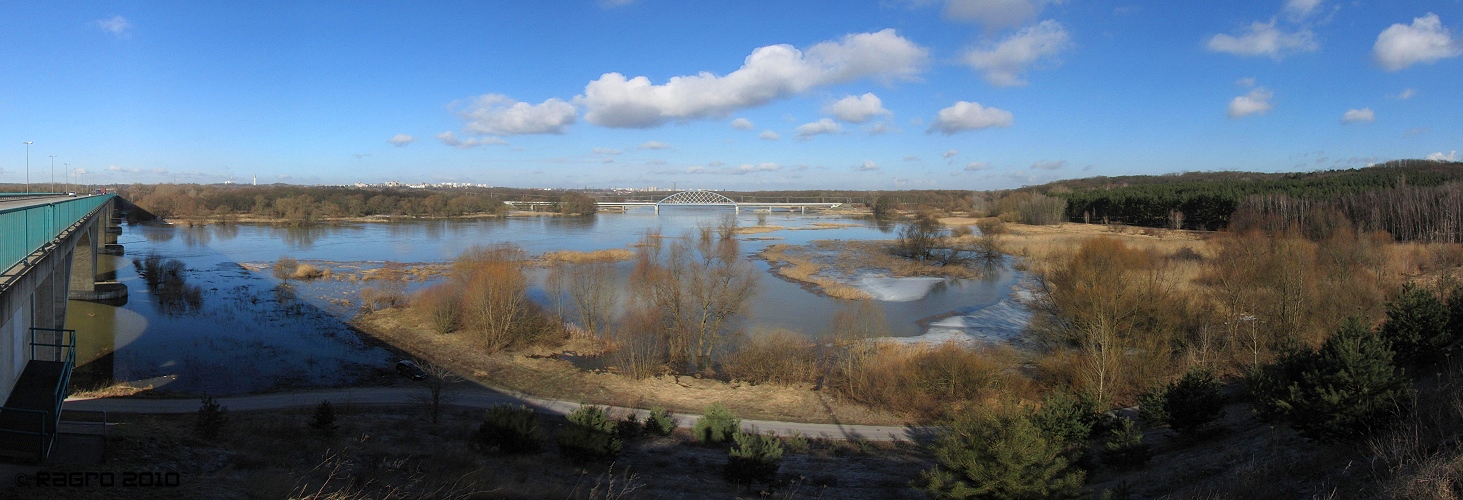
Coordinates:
<point>23,230</point>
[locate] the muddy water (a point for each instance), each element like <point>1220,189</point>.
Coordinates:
<point>197,321</point>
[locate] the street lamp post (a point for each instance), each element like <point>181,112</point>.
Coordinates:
<point>27,164</point>
<point>53,173</point>
<point>66,169</point>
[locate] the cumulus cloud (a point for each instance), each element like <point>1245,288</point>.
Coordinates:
<point>1004,62</point>
<point>976,166</point>
<point>654,145</point>
<point>966,115</point>
<point>714,168</point>
<point>866,166</point>
<point>769,135</point>
<point>1298,10</point>
<point>451,139</point>
<point>1264,39</point>
<point>769,73</point>
<point>116,25</point>
<point>1439,156</point>
<point>1245,82</point>
<point>995,14</point>
<point>1049,165</point>
<point>496,114</point>
<point>605,151</point>
<point>1405,94</point>
<point>1255,102</point>
<point>824,126</point>
<point>1363,115</point>
<point>857,109</point>
<point>1425,41</point>
<point>742,124</point>
<point>400,140</point>
<point>948,154</point>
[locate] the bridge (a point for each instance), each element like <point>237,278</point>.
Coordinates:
<point>48,252</point>
<point>691,198</point>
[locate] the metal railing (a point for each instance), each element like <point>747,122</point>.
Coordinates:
<point>24,230</point>
<point>61,347</point>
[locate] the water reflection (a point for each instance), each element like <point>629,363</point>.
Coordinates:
<point>168,285</point>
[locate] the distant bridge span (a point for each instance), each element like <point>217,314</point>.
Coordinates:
<point>704,198</point>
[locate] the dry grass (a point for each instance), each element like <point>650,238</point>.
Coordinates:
<point>307,271</point>
<point>575,257</point>
<point>799,266</point>
<point>758,229</point>
<point>531,371</point>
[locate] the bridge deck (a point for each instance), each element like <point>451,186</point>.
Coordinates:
<point>26,433</point>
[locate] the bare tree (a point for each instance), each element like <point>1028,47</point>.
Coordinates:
<point>495,292</point>
<point>440,388</point>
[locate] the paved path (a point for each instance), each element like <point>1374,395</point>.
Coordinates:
<point>473,397</point>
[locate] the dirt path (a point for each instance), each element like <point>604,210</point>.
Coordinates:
<point>470,396</point>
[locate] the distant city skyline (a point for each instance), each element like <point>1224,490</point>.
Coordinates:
<point>886,94</point>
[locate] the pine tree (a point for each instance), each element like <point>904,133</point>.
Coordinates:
<point>717,425</point>
<point>510,428</point>
<point>590,435</point>
<point>324,419</point>
<point>1193,401</point>
<point>211,419</point>
<point>1417,325</point>
<point>999,457</point>
<point>754,458</point>
<point>1349,389</point>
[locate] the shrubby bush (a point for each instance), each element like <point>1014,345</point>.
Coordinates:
<point>589,436</point>
<point>323,421</point>
<point>510,429</point>
<point>717,425</point>
<point>212,418</point>
<point>1064,418</point>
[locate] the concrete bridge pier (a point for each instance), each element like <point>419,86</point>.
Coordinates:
<point>89,281</point>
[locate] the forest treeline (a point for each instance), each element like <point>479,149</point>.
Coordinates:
<point>1411,199</point>
<point>304,204</point>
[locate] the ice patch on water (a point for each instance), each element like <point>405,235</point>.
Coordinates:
<point>998,323</point>
<point>886,289</point>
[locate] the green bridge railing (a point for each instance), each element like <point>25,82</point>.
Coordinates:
<point>23,230</point>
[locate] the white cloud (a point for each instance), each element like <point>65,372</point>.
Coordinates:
<point>1049,165</point>
<point>1298,10</point>
<point>451,139</point>
<point>823,126</point>
<point>857,109</point>
<point>747,168</point>
<point>1255,102</point>
<point>769,135</point>
<point>769,73</point>
<point>1439,156</point>
<point>742,124</point>
<point>948,154</point>
<point>605,151</point>
<point>713,168</point>
<point>1405,94</point>
<point>1425,41</point>
<point>867,166</point>
<point>966,115</point>
<point>1245,82</point>
<point>1264,39</point>
<point>400,140</point>
<point>995,14</point>
<point>654,145</point>
<point>976,165</point>
<point>1363,115</point>
<point>881,128</point>
<point>911,158</point>
<point>116,25</point>
<point>1004,62</point>
<point>496,114</point>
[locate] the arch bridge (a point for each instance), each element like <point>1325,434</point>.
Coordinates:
<point>705,198</point>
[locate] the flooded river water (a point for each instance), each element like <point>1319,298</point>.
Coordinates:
<point>198,321</point>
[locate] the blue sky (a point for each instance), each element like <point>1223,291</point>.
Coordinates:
<point>913,94</point>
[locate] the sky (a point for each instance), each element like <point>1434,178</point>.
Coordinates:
<point>737,94</point>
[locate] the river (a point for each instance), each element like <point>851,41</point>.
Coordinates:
<point>199,322</point>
